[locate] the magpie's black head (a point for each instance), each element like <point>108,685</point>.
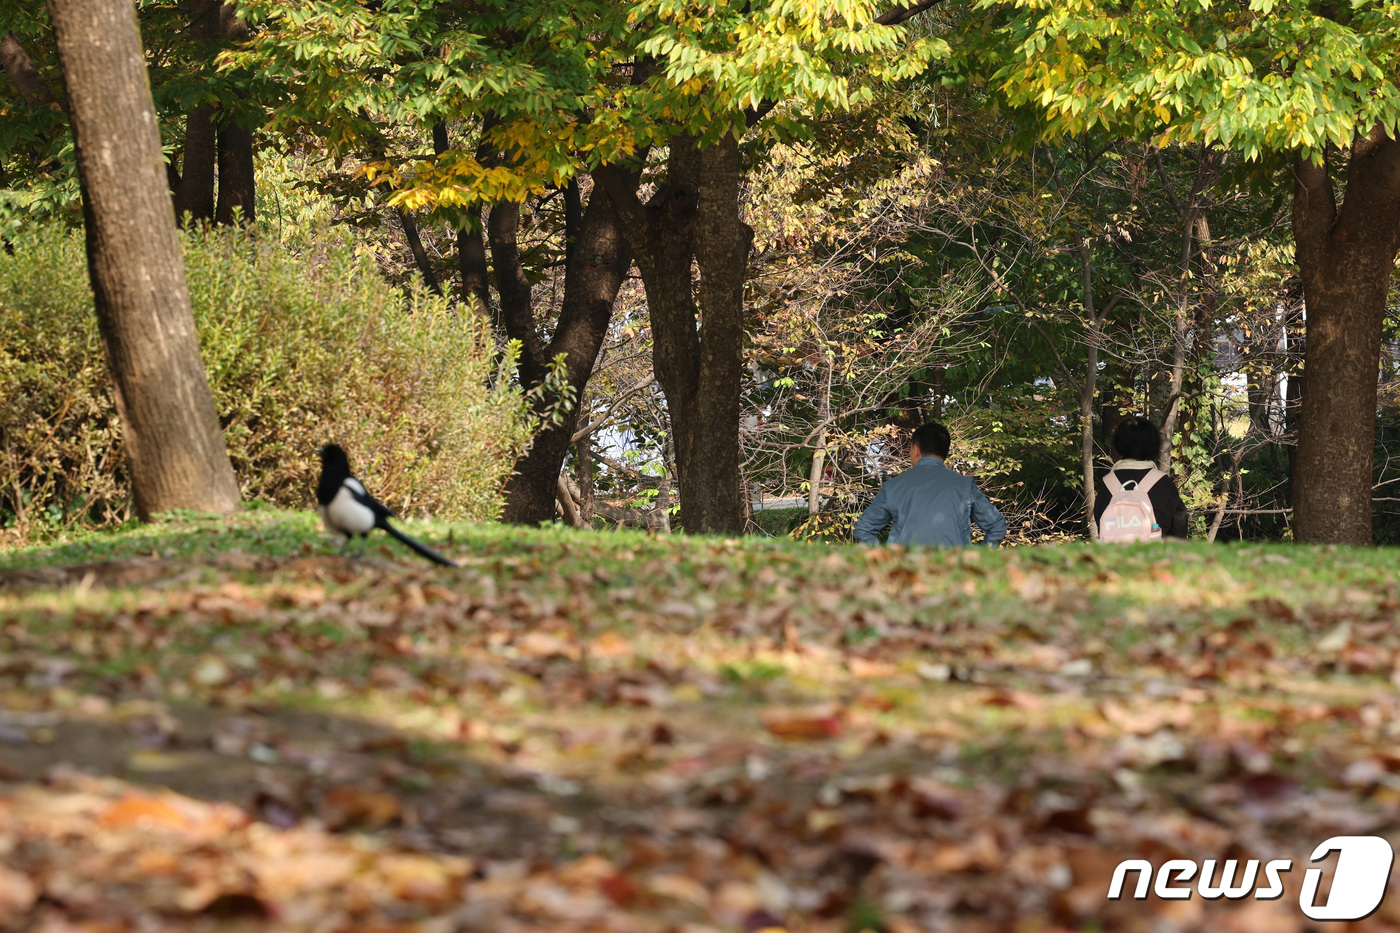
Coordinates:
<point>335,470</point>
<point>333,456</point>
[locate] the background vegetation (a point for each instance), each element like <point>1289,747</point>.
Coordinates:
<point>304,344</point>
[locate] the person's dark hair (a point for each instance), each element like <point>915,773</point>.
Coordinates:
<point>1136,439</point>
<point>933,438</point>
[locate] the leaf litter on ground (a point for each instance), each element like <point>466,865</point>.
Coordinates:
<point>230,725</point>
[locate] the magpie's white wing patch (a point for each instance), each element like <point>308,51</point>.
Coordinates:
<point>346,514</point>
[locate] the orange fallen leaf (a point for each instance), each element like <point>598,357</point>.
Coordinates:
<point>350,806</point>
<point>1017,698</point>
<point>611,645</point>
<point>821,723</point>
<point>619,889</point>
<point>142,810</point>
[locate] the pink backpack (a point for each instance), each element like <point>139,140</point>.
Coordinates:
<point>1129,516</point>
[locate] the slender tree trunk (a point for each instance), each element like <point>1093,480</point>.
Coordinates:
<point>1199,361</point>
<point>584,449</point>
<point>592,277</point>
<point>420,255</point>
<point>1189,212</point>
<point>814,477</point>
<point>169,424</point>
<point>1345,256</point>
<point>471,243</point>
<point>1086,439</point>
<point>1111,399</point>
<point>663,490</point>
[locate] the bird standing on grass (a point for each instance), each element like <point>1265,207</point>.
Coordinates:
<point>347,509</point>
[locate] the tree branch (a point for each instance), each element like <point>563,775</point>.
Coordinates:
<point>20,67</point>
<point>517,311</point>
<point>901,14</point>
<point>597,423</point>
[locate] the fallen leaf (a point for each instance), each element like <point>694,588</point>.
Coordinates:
<point>343,807</point>
<point>820,723</point>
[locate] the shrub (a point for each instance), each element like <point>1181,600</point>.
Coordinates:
<point>301,348</point>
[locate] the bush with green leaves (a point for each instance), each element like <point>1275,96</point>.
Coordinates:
<point>302,347</point>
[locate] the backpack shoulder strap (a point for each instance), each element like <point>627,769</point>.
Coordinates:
<point>1150,480</point>
<point>1111,482</point>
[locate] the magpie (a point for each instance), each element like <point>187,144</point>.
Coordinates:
<point>347,509</point>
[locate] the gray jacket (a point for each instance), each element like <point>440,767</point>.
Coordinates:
<point>932,505</point>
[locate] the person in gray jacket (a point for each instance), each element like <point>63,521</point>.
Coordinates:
<point>930,504</point>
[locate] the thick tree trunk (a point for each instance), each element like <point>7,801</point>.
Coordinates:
<point>169,424</point>
<point>237,183</point>
<point>695,215</point>
<point>194,195</point>
<point>595,271</point>
<point>713,501</point>
<point>1345,256</point>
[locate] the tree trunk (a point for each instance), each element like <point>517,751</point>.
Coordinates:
<point>1295,336</point>
<point>237,184</point>
<point>194,195</point>
<point>713,501</point>
<point>595,271</point>
<point>22,73</point>
<point>1345,256</point>
<point>420,255</point>
<point>1192,385</point>
<point>169,424</point>
<point>695,214</point>
<point>587,494</point>
<point>814,477</point>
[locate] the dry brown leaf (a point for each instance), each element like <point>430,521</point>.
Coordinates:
<point>346,806</point>
<point>818,723</point>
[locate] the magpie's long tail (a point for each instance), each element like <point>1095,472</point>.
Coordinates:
<point>417,546</point>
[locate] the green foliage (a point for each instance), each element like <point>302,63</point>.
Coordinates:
<point>549,89</point>
<point>1267,77</point>
<point>302,348</point>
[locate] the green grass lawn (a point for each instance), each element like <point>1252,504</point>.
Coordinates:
<point>232,723</point>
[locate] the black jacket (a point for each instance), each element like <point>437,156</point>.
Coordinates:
<point>1165,497</point>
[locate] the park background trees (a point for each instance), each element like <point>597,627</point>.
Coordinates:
<point>759,244</point>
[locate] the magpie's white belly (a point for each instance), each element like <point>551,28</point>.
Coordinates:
<point>347,516</point>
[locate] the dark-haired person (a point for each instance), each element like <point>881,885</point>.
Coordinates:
<point>930,504</point>
<point>1136,443</point>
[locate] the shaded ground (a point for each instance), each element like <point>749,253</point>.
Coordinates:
<point>231,726</point>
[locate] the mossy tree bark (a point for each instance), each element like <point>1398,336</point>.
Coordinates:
<point>169,425</point>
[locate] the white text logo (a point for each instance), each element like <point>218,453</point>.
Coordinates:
<point>1358,884</point>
